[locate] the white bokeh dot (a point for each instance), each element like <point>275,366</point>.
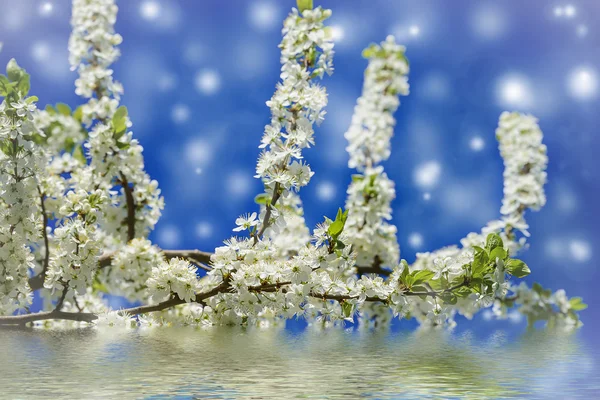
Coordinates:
<point>204,230</point>
<point>326,191</point>
<point>150,10</point>
<point>40,51</point>
<point>239,184</point>
<point>489,21</point>
<point>46,9</point>
<point>198,152</point>
<point>514,91</point>
<point>582,83</point>
<point>427,175</point>
<point>414,31</point>
<point>426,196</point>
<point>207,81</point>
<point>476,143</point>
<point>168,236</point>
<point>580,250</point>
<point>582,30</point>
<point>415,240</point>
<point>166,82</point>
<point>180,113</point>
<point>559,11</point>
<point>570,11</point>
<point>263,15</point>
<point>338,33</point>
<point>555,248</point>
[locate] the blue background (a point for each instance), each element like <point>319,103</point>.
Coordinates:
<point>197,75</point>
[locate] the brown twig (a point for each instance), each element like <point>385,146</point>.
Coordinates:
<point>130,207</point>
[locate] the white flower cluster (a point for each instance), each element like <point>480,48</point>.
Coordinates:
<point>20,167</point>
<point>306,53</point>
<point>115,157</point>
<point>371,191</point>
<point>92,46</point>
<point>538,304</point>
<point>373,121</point>
<point>525,163</point>
<point>175,276</point>
<point>131,267</point>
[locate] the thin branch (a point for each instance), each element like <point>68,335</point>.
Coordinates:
<point>61,300</point>
<point>130,207</point>
<point>45,235</point>
<point>269,207</point>
<point>195,255</point>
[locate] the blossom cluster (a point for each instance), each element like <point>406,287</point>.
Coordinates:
<point>298,102</point>
<point>371,192</point>
<point>20,165</point>
<point>176,276</point>
<point>94,158</point>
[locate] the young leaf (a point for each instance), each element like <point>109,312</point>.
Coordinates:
<point>493,241</point>
<point>517,268</point>
<point>119,120</point>
<point>63,109</point>
<point>13,70</point>
<point>262,198</point>
<point>422,276</point>
<point>335,228</point>
<point>304,5</point>
<point>498,252</point>
<point>577,304</point>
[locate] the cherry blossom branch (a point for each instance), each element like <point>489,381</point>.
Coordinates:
<point>104,261</point>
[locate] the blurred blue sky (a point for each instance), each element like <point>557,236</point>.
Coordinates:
<point>197,75</point>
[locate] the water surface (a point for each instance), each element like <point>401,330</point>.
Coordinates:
<point>276,363</point>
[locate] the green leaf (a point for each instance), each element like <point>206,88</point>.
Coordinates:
<point>304,5</point>
<point>347,309</point>
<point>23,86</point>
<point>63,109</point>
<point>422,276</point>
<point>498,252</point>
<point>119,120</point>
<point>31,99</point>
<point>449,297</point>
<point>339,245</point>
<point>517,268</point>
<point>97,286</point>
<point>335,228</point>
<point>50,110</point>
<point>79,155</point>
<point>78,114</point>
<point>262,198</point>
<point>13,70</point>
<point>493,241</point>
<point>479,264</point>
<point>5,87</point>
<point>577,304</point>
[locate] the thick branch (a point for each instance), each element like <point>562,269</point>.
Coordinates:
<point>90,317</point>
